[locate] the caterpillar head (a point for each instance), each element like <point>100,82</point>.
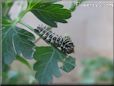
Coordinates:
<point>68,45</point>
<point>70,48</point>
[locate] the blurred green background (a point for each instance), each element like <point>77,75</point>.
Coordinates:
<point>92,71</point>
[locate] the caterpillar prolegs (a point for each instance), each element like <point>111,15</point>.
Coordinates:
<point>63,43</point>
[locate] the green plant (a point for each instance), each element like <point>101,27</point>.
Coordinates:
<point>19,44</point>
<point>97,70</point>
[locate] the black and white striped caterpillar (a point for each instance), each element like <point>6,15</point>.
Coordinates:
<point>63,43</point>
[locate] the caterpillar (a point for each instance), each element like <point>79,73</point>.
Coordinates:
<point>63,43</point>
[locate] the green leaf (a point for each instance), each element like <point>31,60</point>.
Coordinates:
<point>106,75</point>
<point>47,64</point>
<point>91,66</point>
<point>6,5</point>
<point>24,61</point>
<point>75,5</point>
<point>33,3</point>
<point>6,22</point>
<point>13,77</point>
<point>5,69</point>
<point>69,64</point>
<point>51,13</point>
<point>16,41</point>
<point>97,62</point>
<point>80,1</point>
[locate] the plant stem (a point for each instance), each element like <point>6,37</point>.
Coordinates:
<point>37,40</point>
<point>26,25</point>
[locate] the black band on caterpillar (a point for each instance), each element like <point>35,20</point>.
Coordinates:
<point>64,43</point>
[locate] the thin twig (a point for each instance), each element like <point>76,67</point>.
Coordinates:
<point>37,40</point>
<point>28,26</point>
